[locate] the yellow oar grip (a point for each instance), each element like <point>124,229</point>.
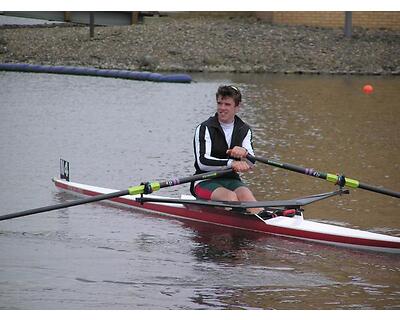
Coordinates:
<point>349,182</point>
<point>155,186</point>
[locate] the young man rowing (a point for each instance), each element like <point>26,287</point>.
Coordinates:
<point>221,142</point>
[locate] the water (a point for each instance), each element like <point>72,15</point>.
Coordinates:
<point>118,133</point>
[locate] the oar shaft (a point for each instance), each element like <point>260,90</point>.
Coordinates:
<point>290,167</point>
<point>379,190</point>
<point>64,205</point>
<point>325,176</point>
<point>176,181</point>
<point>196,177</point>
<point>131,191</point>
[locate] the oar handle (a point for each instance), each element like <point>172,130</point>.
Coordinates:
<point>325,176</point>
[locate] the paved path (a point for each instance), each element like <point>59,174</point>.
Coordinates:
<point>9,20</point>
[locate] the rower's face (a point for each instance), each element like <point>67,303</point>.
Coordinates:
<point>226,109</point>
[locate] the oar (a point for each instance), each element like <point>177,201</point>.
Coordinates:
<point>139,189</point>
<point>337,179</point>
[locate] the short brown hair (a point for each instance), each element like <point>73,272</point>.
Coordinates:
<point>229,91</point>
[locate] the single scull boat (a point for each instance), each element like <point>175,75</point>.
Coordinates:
<point>283,218</point>
<point>215,212</point>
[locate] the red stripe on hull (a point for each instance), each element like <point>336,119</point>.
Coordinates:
<point>240,221</point>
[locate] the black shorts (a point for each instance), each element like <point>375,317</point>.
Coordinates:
<point>205,188</point>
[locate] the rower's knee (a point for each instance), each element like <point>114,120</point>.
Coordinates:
<point>224,194</point>
<point>244,194</point>
<point>232,196</point>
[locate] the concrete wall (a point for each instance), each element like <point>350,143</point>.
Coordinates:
<point>101,18</point>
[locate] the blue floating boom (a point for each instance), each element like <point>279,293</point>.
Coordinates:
<point>85,71</point>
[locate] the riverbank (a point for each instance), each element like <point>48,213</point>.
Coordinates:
<point>206,45</point>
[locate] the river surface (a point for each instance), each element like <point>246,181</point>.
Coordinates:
<point>118,133</point>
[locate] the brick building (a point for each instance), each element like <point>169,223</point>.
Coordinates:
<point>364,19</point>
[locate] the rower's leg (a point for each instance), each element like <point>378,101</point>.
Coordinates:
<point>245,194</point>
<point>240,194</point>
<point>224,194</point>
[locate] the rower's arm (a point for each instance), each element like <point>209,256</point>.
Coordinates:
<point>203,147</point>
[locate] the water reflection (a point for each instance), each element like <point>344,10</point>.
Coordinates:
<point>220,244</point>
<point>119,133</point>
<point>327,123</point>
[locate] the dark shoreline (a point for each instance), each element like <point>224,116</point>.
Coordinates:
<point>243,45</point>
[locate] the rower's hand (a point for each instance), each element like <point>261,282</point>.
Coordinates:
<point>237,152</point>
<point>240,166</point>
